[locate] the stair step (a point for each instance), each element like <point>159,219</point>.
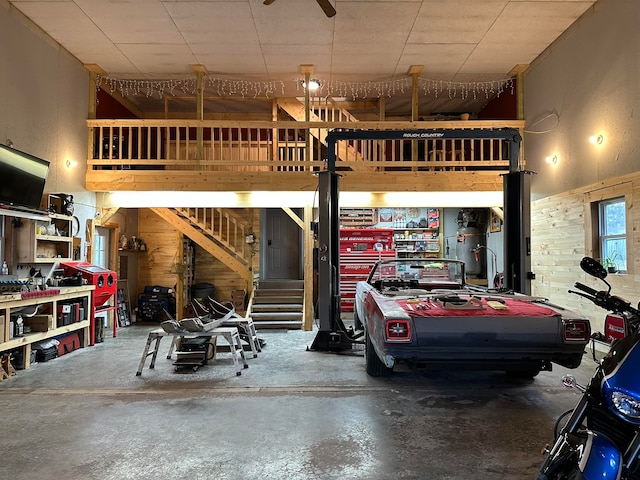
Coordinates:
<point>271,307</point>
<point>281,284</point>
<point>293,292</point>
<point>279,324</point>
<point>259,316</point>
<point>280,300</point>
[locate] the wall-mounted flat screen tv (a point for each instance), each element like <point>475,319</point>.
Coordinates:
<point>22,178</point>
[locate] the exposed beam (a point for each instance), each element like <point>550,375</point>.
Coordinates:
<point>294,217</point>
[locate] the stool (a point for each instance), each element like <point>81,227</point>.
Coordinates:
<point>247,323</point>
<point>154,335</point>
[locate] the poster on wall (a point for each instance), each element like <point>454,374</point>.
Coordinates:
<point>385,216</point>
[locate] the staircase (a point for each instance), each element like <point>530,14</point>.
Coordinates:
<point>218,231</point>
<point>278,304</point>
<point>325,110</point>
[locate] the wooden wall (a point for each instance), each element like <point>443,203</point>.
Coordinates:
<point>163,244</point>
<point>559,239</point>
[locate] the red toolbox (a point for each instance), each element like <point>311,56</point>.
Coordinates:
<point>360,249</point>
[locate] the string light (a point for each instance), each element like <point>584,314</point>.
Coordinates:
<point>225,87</point>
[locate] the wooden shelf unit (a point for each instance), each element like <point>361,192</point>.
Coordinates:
<point>36,244</point>
<point>51,303</point>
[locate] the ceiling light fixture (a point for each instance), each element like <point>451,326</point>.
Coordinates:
<point>596,139</point>
<point>552,159</point>
<point>314,84</point>
<point>70,163</point>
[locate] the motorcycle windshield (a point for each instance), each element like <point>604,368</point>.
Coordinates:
<point>618,351</point>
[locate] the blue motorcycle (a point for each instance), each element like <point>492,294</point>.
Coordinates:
<point>601,438</point>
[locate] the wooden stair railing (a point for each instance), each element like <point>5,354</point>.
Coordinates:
<point>346,152</point>
<point>217,231</point>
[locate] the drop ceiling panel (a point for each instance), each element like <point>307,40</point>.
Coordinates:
<point>455,21</point>
<point>132,21</point>
<point>159,58</point>
<point>436,58</point>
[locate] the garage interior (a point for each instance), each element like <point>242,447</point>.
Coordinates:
<point>189,177</point>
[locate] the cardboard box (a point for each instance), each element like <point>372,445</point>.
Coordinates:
<point>39,323</point>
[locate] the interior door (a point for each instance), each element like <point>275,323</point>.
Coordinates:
<point>281,241</point>
<point>101,244</point>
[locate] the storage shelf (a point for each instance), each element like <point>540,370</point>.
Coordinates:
<point>54,238</point>
<point>50,303</point>
<point>434,240</point>
<point>33,337</point>
<point>50,260</point>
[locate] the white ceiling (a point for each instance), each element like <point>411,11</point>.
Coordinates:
<point>466,41</point>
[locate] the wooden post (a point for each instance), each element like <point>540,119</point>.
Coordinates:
<point>180,293</point>
<point>307,70</point>
<point>200,72</point>
<point>414,72</point>
<point>94,71</point>
<point>309,274</point>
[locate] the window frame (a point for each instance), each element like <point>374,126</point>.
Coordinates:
<point>603,236</point>
<point>593,200</point>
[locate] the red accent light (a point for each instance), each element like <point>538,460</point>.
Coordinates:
<point>575,330</point>
<point>398,331</point>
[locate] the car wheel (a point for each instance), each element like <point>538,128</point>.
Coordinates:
<point>357,324</point>
<point>375,366</point>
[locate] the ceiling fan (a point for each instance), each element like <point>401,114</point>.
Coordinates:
<point>325,5</point>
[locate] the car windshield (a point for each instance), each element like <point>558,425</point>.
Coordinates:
<point>427,271</point>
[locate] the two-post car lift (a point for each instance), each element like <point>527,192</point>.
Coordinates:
<point>332,334</point>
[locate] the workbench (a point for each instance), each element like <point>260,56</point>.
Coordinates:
<point>47,301</point>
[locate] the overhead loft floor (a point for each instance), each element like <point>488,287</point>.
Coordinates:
<point>151,155</point>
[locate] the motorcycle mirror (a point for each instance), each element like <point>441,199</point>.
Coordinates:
<point>593,268</point>
<point>569,381</point>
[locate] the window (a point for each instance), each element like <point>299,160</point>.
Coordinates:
<point>612,234</point>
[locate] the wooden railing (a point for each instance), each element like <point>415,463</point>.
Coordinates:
<point>174,145</point>
<point>224,226</point>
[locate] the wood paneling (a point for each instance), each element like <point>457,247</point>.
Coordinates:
<point>163,250</point>
<point>560,226</point>
<point>156,265</point>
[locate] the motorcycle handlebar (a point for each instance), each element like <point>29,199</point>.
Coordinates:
<point>585,288</point>
<point>605,300</point>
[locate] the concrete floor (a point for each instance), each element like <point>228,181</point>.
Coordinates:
<point>293,414</point>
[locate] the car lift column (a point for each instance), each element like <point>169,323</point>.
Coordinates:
<point>328,251</point>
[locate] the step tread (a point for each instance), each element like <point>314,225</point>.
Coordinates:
<point>256,316</point>
<point>280,300</point>
<point>278,291</point>
<point>279,324</point>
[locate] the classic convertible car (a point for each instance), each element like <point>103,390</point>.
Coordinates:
<point>422,311</point>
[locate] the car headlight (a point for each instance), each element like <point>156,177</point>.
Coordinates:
<point>626,405</point>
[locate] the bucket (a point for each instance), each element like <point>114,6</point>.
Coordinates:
<point>202,290</point>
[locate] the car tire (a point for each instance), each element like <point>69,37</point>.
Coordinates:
<point>357,324</point>
<point>375,367</point>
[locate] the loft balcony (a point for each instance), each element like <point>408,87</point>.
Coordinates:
<point>192,155</point>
